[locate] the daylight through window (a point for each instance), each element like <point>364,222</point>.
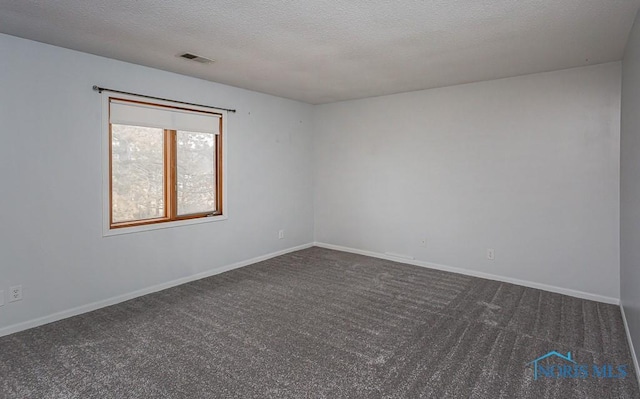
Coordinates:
<point>165,163</point>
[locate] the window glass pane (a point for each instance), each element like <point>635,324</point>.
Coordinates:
<point>137,174</point>
<point>196,172</point>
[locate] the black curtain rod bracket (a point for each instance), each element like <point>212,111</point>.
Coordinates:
<point>101,89</point>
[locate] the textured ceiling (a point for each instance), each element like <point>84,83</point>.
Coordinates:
<point>320,51</point>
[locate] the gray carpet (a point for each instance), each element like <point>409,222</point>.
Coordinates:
<point>320,323</point>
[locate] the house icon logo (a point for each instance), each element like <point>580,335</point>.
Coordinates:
<point>555,365</point>
<point>566,358</point>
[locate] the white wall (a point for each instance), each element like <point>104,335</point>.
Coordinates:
<point>528,166</point>
<point>630,186</point>
<point>51,193</point>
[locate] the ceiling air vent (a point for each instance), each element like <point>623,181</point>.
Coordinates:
<point>196,58</point>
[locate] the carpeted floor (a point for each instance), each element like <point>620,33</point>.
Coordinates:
<point>320,323</point>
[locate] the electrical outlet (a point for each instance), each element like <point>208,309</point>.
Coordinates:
<point>15,293</point>
<point>281,234</point>
<point>423,242</point>
<point>1,298</point>
<point>491,255</point>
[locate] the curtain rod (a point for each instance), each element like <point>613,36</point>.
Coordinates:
<point>101,89</point>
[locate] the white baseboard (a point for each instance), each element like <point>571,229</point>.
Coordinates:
<point>125,297</point>
<point>633,352</point>
<point>473,273</point>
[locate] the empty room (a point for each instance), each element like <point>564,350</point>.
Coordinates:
<point>320,199</point>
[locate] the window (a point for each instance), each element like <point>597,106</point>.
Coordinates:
<point>164,163</point>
